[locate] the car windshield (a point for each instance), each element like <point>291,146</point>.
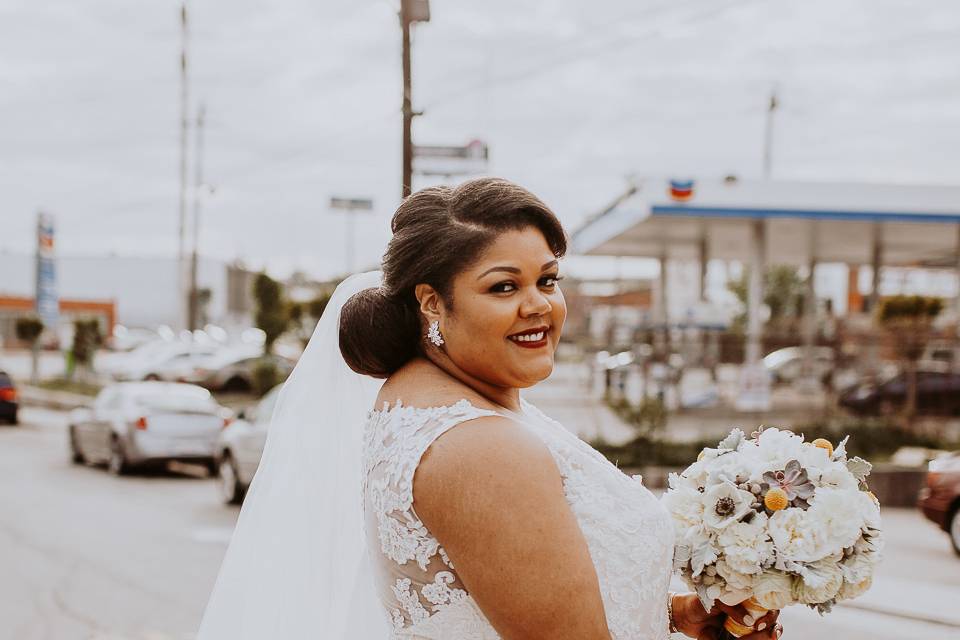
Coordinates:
<point>5,380</point>
<point>176,398</point>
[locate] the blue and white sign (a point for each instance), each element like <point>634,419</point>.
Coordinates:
<point>47,300</point>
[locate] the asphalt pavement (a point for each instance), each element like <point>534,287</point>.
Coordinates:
<point>87,556</point>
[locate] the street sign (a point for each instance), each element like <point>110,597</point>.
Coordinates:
<point>445,160</point>
<point>474,150</point>
<point>47,300</point>
<point>351,204</point>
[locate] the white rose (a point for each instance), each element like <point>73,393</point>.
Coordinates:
<point>773,589</point>
<point>746,546</point>
<point>791,534</point>
<point>685,504</point>
<point>731,576</point>
<point>744,559</point>
<point>776,447</point>
<point>820,582</point>
<point>836,476</point>
<point>838,515</point>
<point>813,459</point>
<point>729,468</point>
<point>849,591</point>
<point>869,510</point>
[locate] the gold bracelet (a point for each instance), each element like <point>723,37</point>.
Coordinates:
<point>673,627</point>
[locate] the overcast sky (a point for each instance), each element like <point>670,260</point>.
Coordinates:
<point>303,99</point>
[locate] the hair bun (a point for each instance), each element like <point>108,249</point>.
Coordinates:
<point>378,333</point>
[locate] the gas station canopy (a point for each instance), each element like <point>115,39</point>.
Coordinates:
<point>803,222</point>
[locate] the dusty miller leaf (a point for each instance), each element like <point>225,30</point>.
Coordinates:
<point>859,467</point>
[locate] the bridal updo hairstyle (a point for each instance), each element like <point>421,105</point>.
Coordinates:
<point>437,233</point>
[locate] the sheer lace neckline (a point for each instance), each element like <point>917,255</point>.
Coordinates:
<point>462,404</point>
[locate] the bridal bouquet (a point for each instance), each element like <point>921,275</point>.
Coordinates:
<point>772,520</point>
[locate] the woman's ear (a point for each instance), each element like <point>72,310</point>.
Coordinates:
<point>430,301</point>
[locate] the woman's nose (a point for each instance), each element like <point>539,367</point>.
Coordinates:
<point>535,304</point>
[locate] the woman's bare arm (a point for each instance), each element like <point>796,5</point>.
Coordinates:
<point>492,495</point>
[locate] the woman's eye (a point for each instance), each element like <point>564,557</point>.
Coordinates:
<point>503,287</point>
<point>550,281</point>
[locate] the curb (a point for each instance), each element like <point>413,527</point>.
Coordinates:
<point>31,396</point>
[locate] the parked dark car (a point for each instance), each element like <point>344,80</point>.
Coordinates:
<point>8,399</point>
<point>138,423</point>
<point>940,498</point>
<point>938,393</point>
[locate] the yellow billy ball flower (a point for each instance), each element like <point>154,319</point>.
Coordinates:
<point>824,444</point>
<point>776,499</point>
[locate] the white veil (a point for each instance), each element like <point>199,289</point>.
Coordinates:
<point>297,567</point>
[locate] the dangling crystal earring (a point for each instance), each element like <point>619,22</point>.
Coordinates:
<point>434,333</point>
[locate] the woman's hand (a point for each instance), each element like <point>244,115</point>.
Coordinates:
<point>691,619</point>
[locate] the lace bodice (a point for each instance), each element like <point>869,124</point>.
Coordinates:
<point>628,533</point>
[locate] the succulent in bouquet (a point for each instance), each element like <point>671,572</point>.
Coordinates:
<point>772,520</point>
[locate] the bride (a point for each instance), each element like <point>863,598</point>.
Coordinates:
<point>439,504</point>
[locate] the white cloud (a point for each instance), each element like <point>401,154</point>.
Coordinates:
<point>303,103</point>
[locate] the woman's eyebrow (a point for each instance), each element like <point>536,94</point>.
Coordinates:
<point>507,269</point>
<point>545,266</point>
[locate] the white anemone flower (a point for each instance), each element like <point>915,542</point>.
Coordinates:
<point>724,504</point>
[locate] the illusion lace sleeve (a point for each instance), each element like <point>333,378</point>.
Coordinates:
<point>418,581</point>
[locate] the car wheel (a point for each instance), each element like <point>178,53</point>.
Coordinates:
<point>236,384</point>
<point>117,464</point>
<point>151,377</point>
<point>76,455</point>
<point>955,530</point>
<point>231,490</point>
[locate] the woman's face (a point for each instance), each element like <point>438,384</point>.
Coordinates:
<point>507,313</point>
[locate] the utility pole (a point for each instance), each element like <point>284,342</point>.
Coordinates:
<point>184,132</point>
<point>194,303</point>
<point>410,11</point>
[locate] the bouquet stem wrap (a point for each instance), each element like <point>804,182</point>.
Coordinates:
<point>738,630</point>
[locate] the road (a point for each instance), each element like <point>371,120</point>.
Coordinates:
<point>86,556</point>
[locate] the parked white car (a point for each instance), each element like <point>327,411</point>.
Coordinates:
<point>161,360</point>
<point>139,423</point>
<point>240,447</point>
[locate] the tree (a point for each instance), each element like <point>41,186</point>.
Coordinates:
<point>87,337</point>
<point>783,293</point>
<point>272,314</point>
<point>909,320</point>
<point>29,330</point>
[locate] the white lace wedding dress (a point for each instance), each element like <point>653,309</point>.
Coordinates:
<point>628,533</point>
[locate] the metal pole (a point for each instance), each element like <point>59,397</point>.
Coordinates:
<point>407,178</point>
<point>663,311</point>
<point>704,255</point>
<point>955,352</point>
<point>810,305</point>
<point>184,132</point>
<point>194,303</point>
<point>768,137</point>
<point>758,255</point>
<point>876,260</point>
